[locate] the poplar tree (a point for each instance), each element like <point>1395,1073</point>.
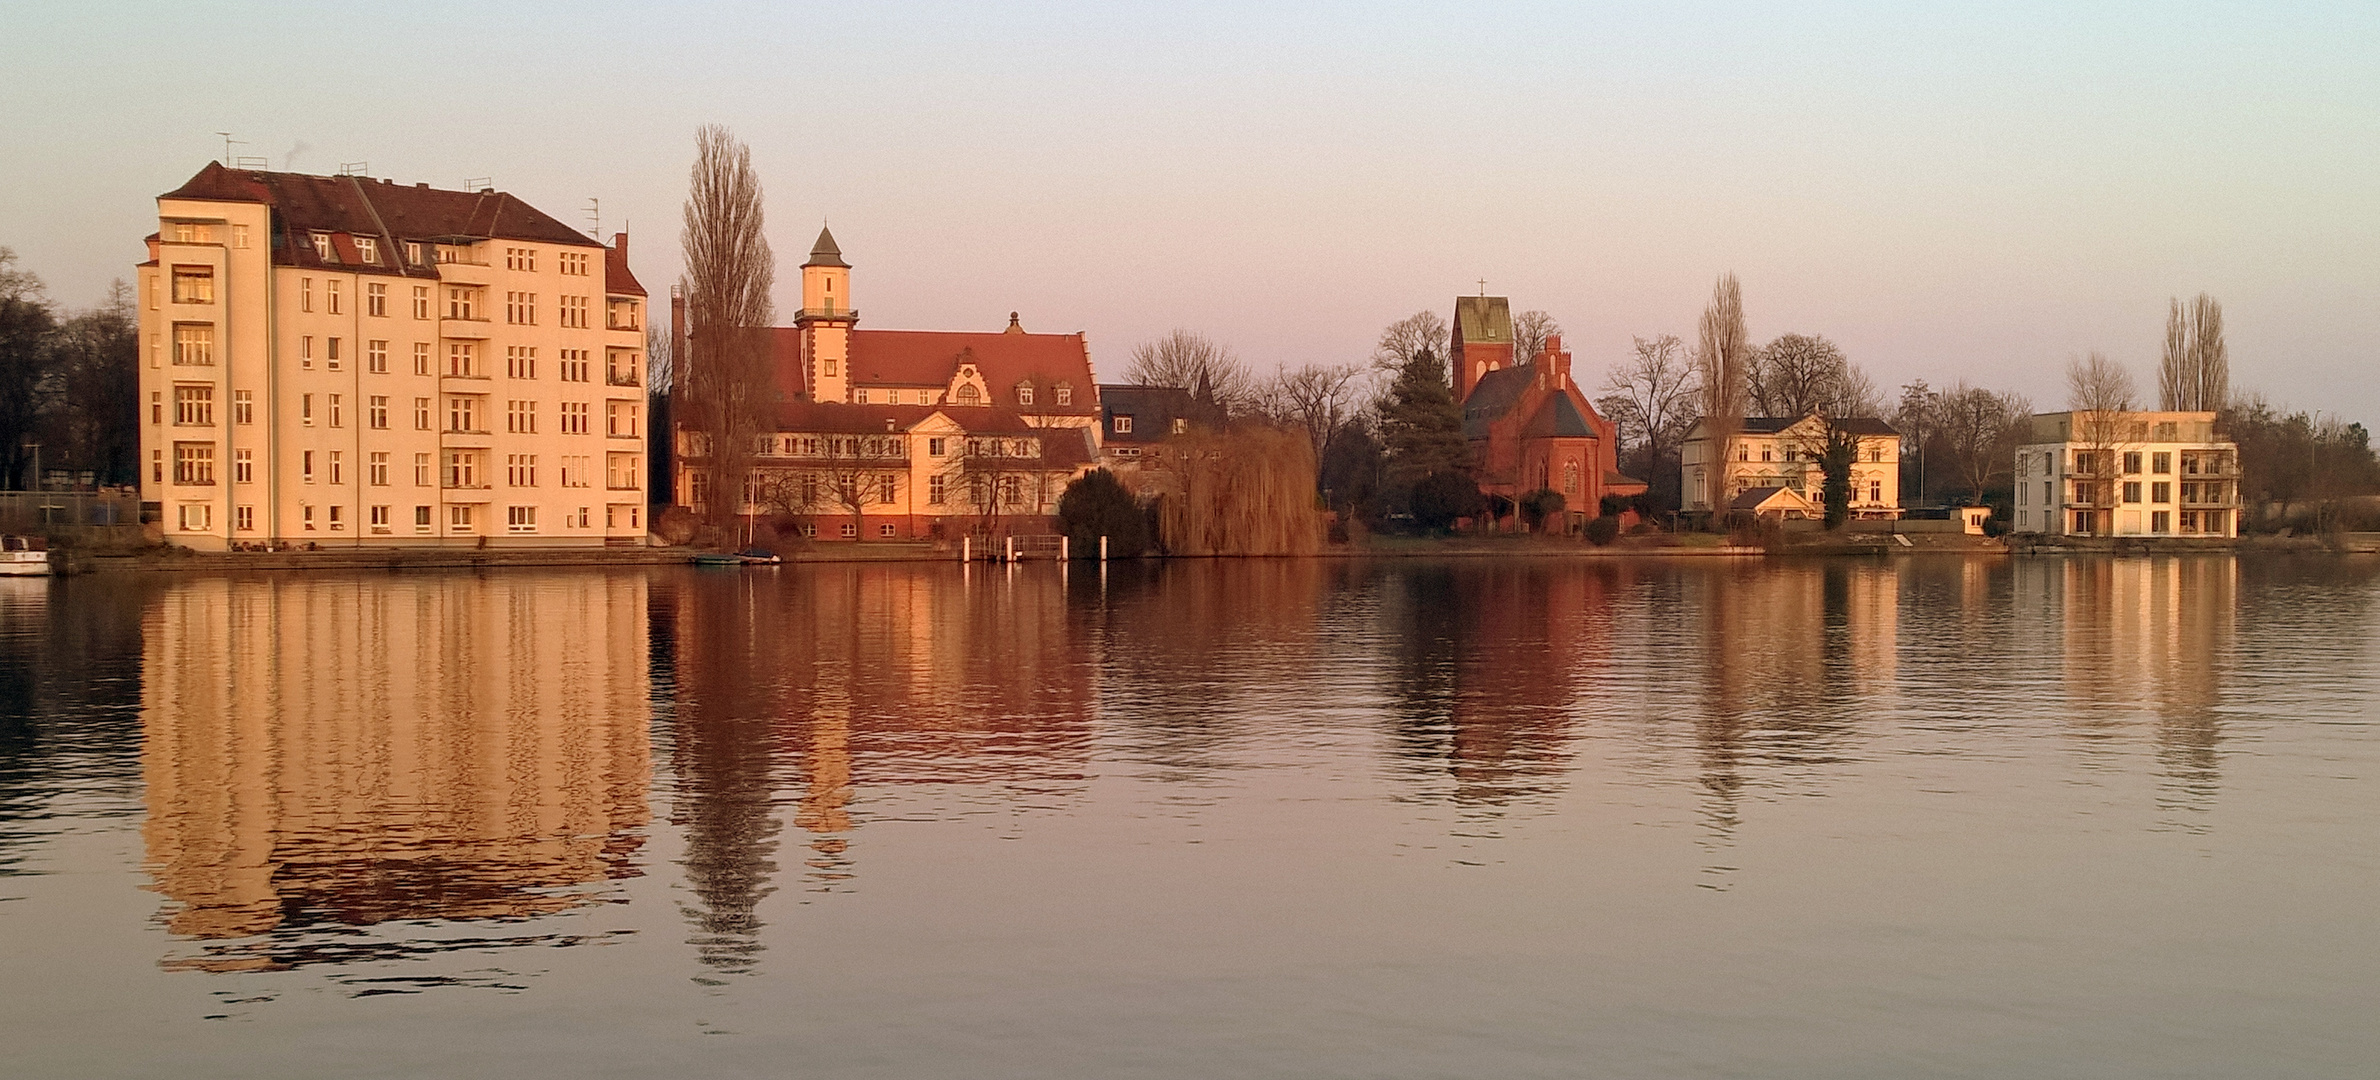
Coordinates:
<point>729,272</point>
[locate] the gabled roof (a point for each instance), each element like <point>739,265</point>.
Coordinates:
<point>932,357</point>
<point>825,253</point>
<point>1483,320</point>
<point>366,207</point>
<point>1153,410</point>
<point>1492,397</point>
<point>1559,418</point>
<point>1771,425</point>
<point>617,281</point>
<point>1756,500</point>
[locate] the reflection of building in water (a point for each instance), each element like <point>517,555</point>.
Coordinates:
<point>326,751</point>
<point>1496,657</point>
<point>814,687</point>
<point>2141,632</point>
<point>1784,657</point>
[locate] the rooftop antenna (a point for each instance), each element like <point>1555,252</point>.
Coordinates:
<point>595,214</point>
<point>228,141</point>
<point>355,168</point>
<point>245,162</point>
<point>480,183</point>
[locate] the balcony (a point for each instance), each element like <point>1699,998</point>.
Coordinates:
<point>621,378</point>
<point>826,313</point>
<point>469,329</point>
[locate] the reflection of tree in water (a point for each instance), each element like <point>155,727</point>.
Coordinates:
<point>723,753</point>
<point>69,699</point>
<point>1488,667</point>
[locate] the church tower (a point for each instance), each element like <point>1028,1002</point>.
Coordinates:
<point>1482,342</point>
<point>826,319</point>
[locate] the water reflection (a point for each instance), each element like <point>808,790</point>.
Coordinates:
<point>328,754</point>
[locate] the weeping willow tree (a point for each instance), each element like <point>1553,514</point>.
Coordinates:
<point>1245,492</point>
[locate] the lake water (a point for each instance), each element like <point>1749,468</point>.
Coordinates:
<point>1475,818</point>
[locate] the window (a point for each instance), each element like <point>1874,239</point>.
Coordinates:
<point>619,420</point>
<point>378,516</point>
<point>863,397</point>
<point>306,351</point>
<point>850,531</point>
<point>376,413</point>
<point>197,516</point>
<point>2131,491</point>
<point>305,294</point>
<point>306,409</point>
<point>322,247</point>
<point>157,466</point>
<point>520,417</point>
<point>619,369</point>
<point>2161,491</point>
<point>376,300</point>
<point>520,361</point>
<point>1875,491</point>
<point>421,298</point>
<point>574,418</point>
<point>520,519</point>
<point>1121,424</point>
<point>1875,453</point>
<point>244,517</point>
<point>462,359</point>
<point>1065,394</point>
<point>934,447</point>
<point>884,490</point>
<point>338,467</point>
<point>330,295</point>
<point>1011,491</point>
<point>520,259</point>
<point>934,490</point>
<point>1024,393</point>
<point>421,474</point>
<point>574,312</point>
<point>194,284</point>
<point>459,518</point>
<point>572,263</point>
<point>306,514</point>
<point>574,471</point>
<point>243,466</point>
<point>2161,463</point>
<point>421,414</point>
<point>2132,463</point>
<point>330,353</point>
<point>621,471</point>
<point>239,237</point>
<point>2160,521</point>
<point>421,357</point>
<point>625,517</point>
<point>462,413</point>
<point>194,344</point>
<point>1180,425</point>
<point>462,469</point>
<point>968,396</point>
<point>378,469</point>
<point>575,366</point>
<point>194,463</point>
<point>886,530</point>
<point>520,470</point>
<point>194,406</point>
<point>336,418</point>
<point>421,519</point>
<point>461,303</point>
<point>376,356</point>
<point>520,308</point>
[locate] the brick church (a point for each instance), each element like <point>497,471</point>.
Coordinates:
<point>1529,425</point>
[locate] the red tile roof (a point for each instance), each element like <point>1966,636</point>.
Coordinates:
<point>932,358</point>
<point>362,206</point>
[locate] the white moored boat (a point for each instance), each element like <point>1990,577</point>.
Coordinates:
<point>24,556</point>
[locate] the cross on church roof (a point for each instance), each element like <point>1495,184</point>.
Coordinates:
<point>1483,286</point>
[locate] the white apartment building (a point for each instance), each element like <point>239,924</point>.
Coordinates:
<point>2127,474</point>
<point>351,362</point>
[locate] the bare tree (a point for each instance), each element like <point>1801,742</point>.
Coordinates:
<point>1319,399</point>
<point>1652,397</point>
<point>1723,352</point>
<point>27,361</point>
<point>1979,430</point>
<point>2195,375</point>
<point>1423,331</point>
<point>1916,420</point>
<point>1002,475</point>
<point>1530,331</point>
<point>729,273</point>
<point>836,474</point>
<point>2099,393</point>
<point>1799,375</point>
<point>1194,362</point>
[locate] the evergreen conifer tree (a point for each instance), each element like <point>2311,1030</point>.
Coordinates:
<point>1421,422</point>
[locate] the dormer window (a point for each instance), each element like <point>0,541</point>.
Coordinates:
<point>413,252</point>
<point>1024,393</point>
<point>368,250</point>
<point>967,393</point>
<point>322,247</point>
<point>1065,394</point>
<point>1181,426</point>
<point>1120,424</point>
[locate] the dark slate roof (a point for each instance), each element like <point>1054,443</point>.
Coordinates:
<point>1153,410</point>
<point>1559,418</point>
<point>362,206</point>
<point>1483,320</point>
<point>825,253</point>
<point>1491,398</point>
<point>1857,425</point>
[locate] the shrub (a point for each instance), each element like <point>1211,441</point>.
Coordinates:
<point>1540,506</point>
<point>1603,530</point>
<point>1441,497</point>
<point>1098,505</point>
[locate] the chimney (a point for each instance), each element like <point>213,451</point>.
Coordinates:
<point>620,244</point>
<point>152,249</point>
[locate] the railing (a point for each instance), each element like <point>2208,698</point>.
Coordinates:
<point>20,508</point>
<point>620,378</point>
<point>827,313</point>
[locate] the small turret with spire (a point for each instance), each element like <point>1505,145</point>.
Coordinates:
<point>826,319</point>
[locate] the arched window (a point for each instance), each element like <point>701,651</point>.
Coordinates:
<point>1570,478</point>
<point>967,393</point>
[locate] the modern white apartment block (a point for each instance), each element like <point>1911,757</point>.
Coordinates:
<point>2127,474</point>
<point>350,362</point>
